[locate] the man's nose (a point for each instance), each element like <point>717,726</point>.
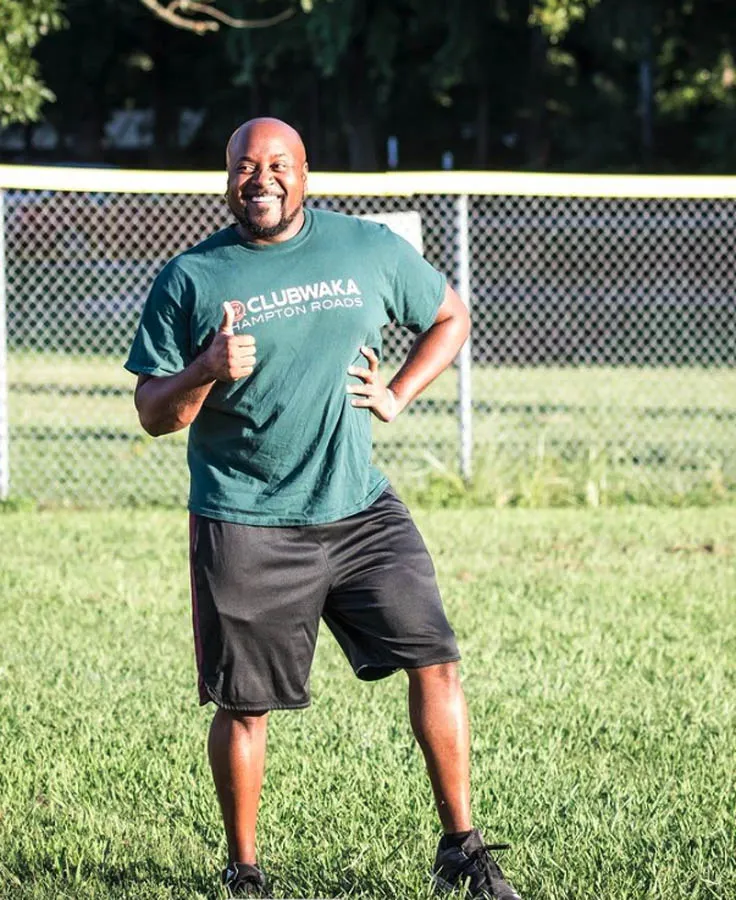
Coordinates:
<point>262,177</point>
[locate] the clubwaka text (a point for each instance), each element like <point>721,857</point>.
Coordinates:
<point>319,296</point>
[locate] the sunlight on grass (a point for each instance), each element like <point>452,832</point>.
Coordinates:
<point>599,657</point>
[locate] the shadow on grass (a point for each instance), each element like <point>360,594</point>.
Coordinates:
<point>57,875</point>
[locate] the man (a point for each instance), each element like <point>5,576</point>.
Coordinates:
<point>265,338</point>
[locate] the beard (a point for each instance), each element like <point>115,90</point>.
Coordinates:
<point>255,229</point>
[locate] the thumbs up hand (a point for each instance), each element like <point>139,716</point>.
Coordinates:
<point>230,356</point>
<point>228,319</point>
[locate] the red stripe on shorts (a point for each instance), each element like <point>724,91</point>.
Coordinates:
<point>203,695</point>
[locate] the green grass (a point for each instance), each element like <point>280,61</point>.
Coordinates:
<point>599,666</point>
<point>541,437</point>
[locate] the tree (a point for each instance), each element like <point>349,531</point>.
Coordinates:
<point>114,57</point>
<point>587,85</point>
<point>22,24</point>
<point>345,53</point>
<point>650,85</point>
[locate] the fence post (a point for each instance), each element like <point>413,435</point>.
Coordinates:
<point>4,442</point>
<point>464,357</point>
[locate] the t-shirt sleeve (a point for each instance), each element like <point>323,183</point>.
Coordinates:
<point>162,344</point>
<point>418,289</point>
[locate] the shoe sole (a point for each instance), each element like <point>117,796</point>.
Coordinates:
<point>446,887</point>
<point>441,885</point>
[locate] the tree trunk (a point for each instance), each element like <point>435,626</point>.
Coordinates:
<point>646,103</point>
<point>361,137</point>
<point>357,113</point>
<point>314,137</point>
<point>87,141</point>
<point>254,98</point>
<point>537,140</point>
<point>481,127</point>
<point>28,130</point>
<point>165,113</point>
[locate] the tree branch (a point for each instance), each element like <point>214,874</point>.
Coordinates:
<point>176,14</point>
<point>229,20</point>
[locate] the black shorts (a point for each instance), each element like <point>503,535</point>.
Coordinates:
<point>258,594</point>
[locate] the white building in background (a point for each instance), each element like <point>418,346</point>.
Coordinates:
<point>126,129</point>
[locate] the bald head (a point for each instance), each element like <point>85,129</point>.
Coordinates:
<point>261,130</point>
<point>267,179</point>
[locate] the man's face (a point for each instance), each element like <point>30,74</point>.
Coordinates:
<point>266,182</point>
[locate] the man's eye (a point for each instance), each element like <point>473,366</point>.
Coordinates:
<point>279,167</point>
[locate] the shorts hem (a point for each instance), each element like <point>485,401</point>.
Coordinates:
<point>211,697</point>
<point>434,662</point>
<point>377,672</point>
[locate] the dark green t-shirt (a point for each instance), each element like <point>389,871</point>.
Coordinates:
<point>285,446</point>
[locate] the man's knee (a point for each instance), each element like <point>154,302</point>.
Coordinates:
<point>249,721</point>
<point>443,675</point>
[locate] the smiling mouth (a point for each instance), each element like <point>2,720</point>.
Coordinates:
<point>263,199</point>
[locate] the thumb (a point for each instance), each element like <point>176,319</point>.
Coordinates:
<point>226,326</point>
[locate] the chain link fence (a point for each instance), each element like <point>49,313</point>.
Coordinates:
<point>603,347</point>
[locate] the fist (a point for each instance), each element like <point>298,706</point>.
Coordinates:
<point>230,356</point>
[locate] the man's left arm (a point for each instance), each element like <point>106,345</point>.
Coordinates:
<point>431,353</point>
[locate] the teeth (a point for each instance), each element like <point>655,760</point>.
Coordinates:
<point>264,198</point>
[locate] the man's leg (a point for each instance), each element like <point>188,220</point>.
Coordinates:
<point>439,719</point>
<point>237,752</point>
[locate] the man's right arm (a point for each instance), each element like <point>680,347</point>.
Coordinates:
<point>171,402</point>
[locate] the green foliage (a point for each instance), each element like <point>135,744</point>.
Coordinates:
<point>17,504</point>
<point>551,84</point>
<point>22,25</point>
<point>599,652</point>
<point>323,39</point>
<point>556,17</point>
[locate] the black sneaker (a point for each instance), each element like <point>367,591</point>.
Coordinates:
<point>242,880</point>
<point>472,865</point>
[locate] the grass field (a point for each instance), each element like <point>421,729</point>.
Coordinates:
<point>599,666</point>
<point>542,437</point>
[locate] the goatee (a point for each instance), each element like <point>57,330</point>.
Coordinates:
<point>263,232</point>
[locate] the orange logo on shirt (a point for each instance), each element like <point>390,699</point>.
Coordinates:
<point>238,309</point>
